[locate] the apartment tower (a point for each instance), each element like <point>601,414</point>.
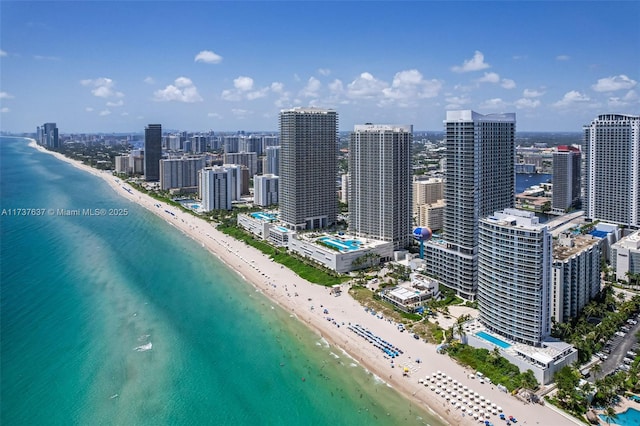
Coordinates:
<point>612,175</point>
<point>480,180</point>
<point>380,183</point>
<point>308,168</point>
<point>566,178</point>
<point>152,152</point>
<point>514,276</point>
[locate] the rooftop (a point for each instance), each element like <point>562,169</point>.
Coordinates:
<point>568,245</point>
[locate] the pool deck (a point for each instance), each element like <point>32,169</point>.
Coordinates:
<point>622,406</point>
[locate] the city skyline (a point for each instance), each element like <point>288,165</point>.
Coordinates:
<point>224,66</point>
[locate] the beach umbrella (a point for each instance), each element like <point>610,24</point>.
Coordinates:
<point>493,405</point>
<point>437,391</point>
<point>500,409</point>
<point>464,408</point>
<point>420,381</point>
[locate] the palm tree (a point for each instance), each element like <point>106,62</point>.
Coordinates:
<point>610,414</point>
<point>595,369</point>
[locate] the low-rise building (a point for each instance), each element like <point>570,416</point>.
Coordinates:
<point>410,297</point>
<point>625,256</point>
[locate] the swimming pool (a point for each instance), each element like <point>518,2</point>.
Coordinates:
<point>489,338</point>
<point>264,216</point>
<point>347,245</point>
<point>631,417</point>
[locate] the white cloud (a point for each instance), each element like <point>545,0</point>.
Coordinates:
<point>4,109</point>
<point>214,115</point>
<point>489,77</point>
<point>183,90</point>
<point>104,113</point>
<point>243,83</point>
<point>5,95</point>
<point>611,84</point>
<point>563,58</point>
<point>312,88</point>
<point>149,80</point>
<point>524,103</point>
<point>115,104</point>
<point>103,87</point>
<point>571,98</point>
<point>507,83</point>
<point>532,93</point>
<point>257,94</point>
<point>324,71</point>
<point>124,114</point>
<point>409,85</point>
<point>3,53</point>
<point>495,103</point>
<point>208,57</point>
<point>89,109</point>
<point>455,102</point>
<point>630,98</point>
<point>366,86</point>
<point>476,63</point>
<point>243,90</point>
<point>336,87</point>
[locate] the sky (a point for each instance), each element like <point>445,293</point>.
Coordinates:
<point>116,66</point>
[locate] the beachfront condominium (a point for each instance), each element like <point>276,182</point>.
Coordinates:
<point>380,183</point>
<point>47,135</point>
<point>612,175</point>
<point>566,178</point>
<point>514,276</point>
<point>308,168</point>
<point>479,180</point>
<point>180,172</point>
<point>152,152</point>
<point>214,188</point>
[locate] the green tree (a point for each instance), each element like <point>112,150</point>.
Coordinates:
<point>610,414</point>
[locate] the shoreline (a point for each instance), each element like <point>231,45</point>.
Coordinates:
<point>307,302</point>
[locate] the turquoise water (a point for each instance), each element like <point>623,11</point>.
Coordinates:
<point>494,340</point>
<point>348,245</point>
<point>124,320</point>
<point>268,217</point>
<point>631,417</point>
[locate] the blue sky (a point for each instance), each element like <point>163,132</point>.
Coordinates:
<point>115,66</point>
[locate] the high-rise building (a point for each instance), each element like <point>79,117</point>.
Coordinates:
<point>479,180</point>
<point>566,178</point>
<point>248,159</point>
<point>514,276</point>
<point>122,164</point>
<point>180,172</point>
<point>47,135</point>
<point>273,160</point>
<point>231,143</point>
<point>152,152</point>
<point>214,188</point>
<point>308,168</point>
<point>265,190</point>
<point>612,175</point>
<point>426,191</point>
<point>380,183</point>
<point>576,274</point>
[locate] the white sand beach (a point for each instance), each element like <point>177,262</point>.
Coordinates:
<point>308,301</point>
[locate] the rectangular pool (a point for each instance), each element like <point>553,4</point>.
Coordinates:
<point>489,338</point>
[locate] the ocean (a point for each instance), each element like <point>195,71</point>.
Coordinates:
<point>123,320</point>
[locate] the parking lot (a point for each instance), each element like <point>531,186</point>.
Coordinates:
<point>617,347</point>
